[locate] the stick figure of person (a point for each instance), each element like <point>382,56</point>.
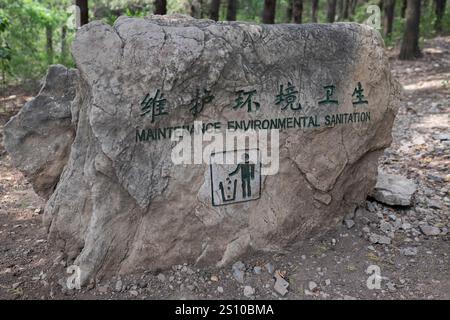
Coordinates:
<point>247,173</point>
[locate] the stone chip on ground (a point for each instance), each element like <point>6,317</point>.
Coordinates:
<point>281,285</point>
<point>430,230</point>
<point>394,190</point>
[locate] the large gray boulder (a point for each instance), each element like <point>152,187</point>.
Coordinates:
<point>39,137</point>
<point>122,204</point>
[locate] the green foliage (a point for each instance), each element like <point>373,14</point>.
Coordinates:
<point>25,36</point>
<point>25,24</point>
<point>5,50</point>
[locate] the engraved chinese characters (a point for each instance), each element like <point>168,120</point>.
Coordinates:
<point>286,98</point>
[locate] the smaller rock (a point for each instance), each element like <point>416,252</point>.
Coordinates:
<point>408,251</point>
<point>327,282</point>
<point>118,286</point>
<point>238,271</point>
<point>16,285</point>
<point>429,230</point>
<point>434,204</point>
<point>393,190</point>
<point>441,136</point>
<point>161,277</point>
<point>386,227</point>
<point>220,289</point>
<point>214,278</point>
<point>376,238</point>
<point>281,285</point>
<point>406,226</point>
<point>349,223</point>
<point>391,286</point>
<point>134,293</point>
<point>269,267</point>
<point>371,206</point>
<point>312,286</point>
<point>239,275</point>
<point>142,284</point>
<point>325,198</point>
<point>257,270</point>
<point>248,291</point>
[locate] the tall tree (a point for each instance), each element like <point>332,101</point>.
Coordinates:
<point>49,44</point>
<point>289,11</point>
<point>346,9</point>
<point>389,10</point>
<point>160,7</point>
<point>196,10</point>
<point>214,10</point>
<point>63,44</point>
<point>439,9</point>
<point>410,45</point>
<point>340,9</point>
<point>231,10</point>
<point>314,6</point>
<point>331,11</point>
<point>354,3</point>
<point>84,11</point>
<point>268,15</point>
<point>297,11</point>
<point>403,8</point>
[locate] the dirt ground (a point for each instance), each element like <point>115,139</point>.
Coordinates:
<point>339,265</point>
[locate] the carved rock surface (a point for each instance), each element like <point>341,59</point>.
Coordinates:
<point>122,204</point>
<point>40,135</point>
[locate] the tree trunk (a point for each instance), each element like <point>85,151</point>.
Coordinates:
<point>410,45</point>
<point>63,44</point>
<point>195,10</point>
<point>49,45</point>
<point>160,7</point>
<point>331,11</point>
<point>269,11</point>
<point>346,9</point>
<point>314,6</point>
<point>389,11</point>
<point>403,9</point>
<point>353,8</point>
<point>84,12</point>
<point>289,11</point>
<point>297,11</point>
<point>340,9</point>
<point>214,10</point>
<point>231,10</point>
<point>439,11</point>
